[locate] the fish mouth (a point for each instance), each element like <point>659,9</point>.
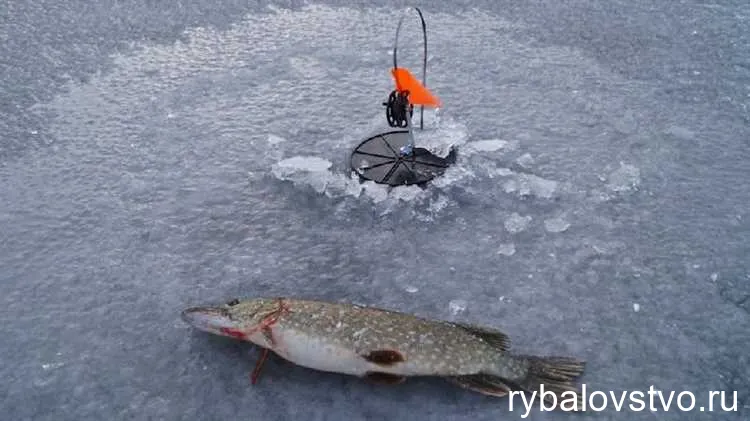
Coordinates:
<point>209,319</point>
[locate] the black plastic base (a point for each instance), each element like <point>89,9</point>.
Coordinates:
<point>378,159</point>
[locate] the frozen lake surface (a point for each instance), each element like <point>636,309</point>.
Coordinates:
<point>155,157</point>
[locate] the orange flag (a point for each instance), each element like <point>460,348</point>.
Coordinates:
<point>418,94</point>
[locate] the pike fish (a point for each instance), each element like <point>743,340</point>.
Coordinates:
<point>387,346</point>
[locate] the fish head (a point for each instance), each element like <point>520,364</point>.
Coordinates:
<point>235,319</point>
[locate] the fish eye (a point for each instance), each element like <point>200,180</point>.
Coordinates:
<point>233,302</point>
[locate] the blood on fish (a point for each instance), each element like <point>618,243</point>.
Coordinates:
<point>235,333</point>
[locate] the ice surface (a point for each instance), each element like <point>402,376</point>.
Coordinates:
<point>158,155</point>
<point>681,132</point>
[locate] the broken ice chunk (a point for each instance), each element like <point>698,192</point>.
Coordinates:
<point>275,140</point>
<point>525,160</point>
<point>557,224</point>
<point>486,145</point>
<point>517,223</point>
<point>531,185</point>
<point>457,306</point>
<point>309,170</point>
<point>624,179</point>
<point>507,249</point>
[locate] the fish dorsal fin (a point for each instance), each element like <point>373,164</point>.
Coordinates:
<point>492,336</point>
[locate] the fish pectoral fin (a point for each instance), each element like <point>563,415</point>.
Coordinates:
<point>482,383</point>
<point>384,378</point>
<point>493,337</point>
<point>259,365</point>
<point>384,357</point>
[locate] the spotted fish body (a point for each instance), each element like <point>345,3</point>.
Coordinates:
<point>384,345</point>
<point>359,340</point>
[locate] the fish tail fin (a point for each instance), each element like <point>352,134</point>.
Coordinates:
<point>548,378</point>
<point>552,378</point>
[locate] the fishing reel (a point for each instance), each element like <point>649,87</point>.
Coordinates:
<point>395,109</point>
